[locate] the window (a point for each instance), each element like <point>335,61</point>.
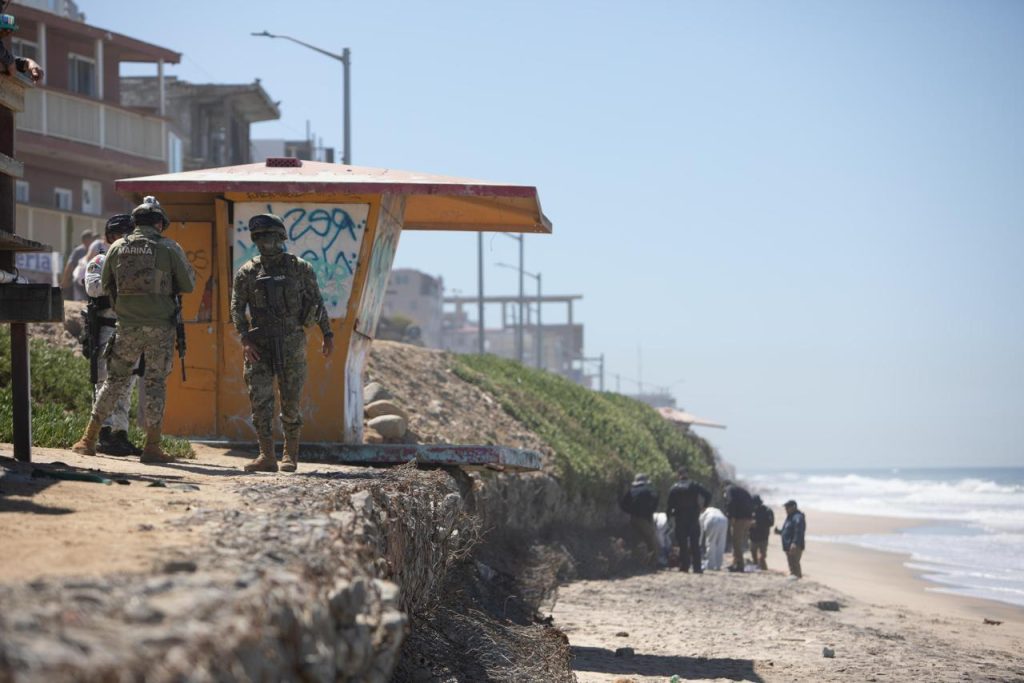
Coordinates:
<point>81,75</point>
<point>62,198</point>
<point>21,191</point>
<point>92,197</point>
<point>24,48</point>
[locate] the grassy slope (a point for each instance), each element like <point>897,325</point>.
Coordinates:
<point>600,439</point>
<point>61,397</point>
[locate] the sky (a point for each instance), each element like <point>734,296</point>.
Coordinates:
<point>804,219</point>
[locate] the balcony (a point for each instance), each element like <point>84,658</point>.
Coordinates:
<point>92,122</point>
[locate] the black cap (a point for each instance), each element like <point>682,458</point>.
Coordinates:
<point>789,503</point>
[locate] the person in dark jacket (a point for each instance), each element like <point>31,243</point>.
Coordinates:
<point>640,501</point>
<point>686,500</point>
<point>739,508</point>
<point>793,530</point>
<point>764,520</point>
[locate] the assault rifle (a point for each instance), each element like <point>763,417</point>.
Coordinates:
<point>274,343</point>
<point>91,338</point>
<point>179,329</point>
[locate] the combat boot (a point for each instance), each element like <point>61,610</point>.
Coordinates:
<point>121,439</point>
<point>111,443</point>
<point>152,454</point>
<point>87,444</point>
<point>265,461</point>
<point>290,458</point>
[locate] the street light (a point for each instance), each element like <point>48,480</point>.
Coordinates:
<point>346,60</point>
<point>536,276</point>
<point>520,350</point>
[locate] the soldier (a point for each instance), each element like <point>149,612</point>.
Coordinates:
<point>114,433</point>
<point>282,295</point>
<point>142,272</point>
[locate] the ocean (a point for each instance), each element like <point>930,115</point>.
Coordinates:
<point>973,544</point>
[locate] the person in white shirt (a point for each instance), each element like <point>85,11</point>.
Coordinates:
<point>114,433</point>
<point>713,526</point>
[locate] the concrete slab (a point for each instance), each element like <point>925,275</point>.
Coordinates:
<point>501,458</point>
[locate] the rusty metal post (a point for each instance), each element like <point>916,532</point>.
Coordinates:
<point>21,396</point>
<point>20,370</point>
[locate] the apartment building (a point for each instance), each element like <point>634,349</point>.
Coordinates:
<point>75,137</point>
<point>417,297</point>
<point>214,118</point>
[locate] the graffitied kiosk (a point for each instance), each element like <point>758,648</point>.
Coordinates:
<point>346,221</point>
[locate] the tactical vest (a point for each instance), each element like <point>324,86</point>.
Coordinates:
<point>139,269</point>
<point>277,300</point>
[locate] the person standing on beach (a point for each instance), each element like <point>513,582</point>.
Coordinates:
<point>793,530</point>
<point>764,520</point>
<point>686,500</point>
<point>739,508</point>
<point>640,501</point>
<point>714,527</point>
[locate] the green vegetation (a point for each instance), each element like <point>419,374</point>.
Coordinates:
<point>61,397</point>
<point>600,439</point>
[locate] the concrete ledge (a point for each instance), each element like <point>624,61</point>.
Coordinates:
<point>497,458</point>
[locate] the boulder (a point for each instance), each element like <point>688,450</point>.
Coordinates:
<point>372,436</point>
<point>391,427</point>
<point>384,407</point>
<point>375,391</point>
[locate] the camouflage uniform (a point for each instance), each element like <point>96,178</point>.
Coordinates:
<point>118,419</point>
<point>282,297</point>
<point>142,272</point>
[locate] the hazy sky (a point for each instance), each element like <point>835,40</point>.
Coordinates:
<point>806,218</point>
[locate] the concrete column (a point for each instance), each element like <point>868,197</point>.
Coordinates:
<point>99,70</point>
<point>41,42</point>
<point>162,87</point>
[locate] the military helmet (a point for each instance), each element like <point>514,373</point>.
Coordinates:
<point>149,212</point>
<point>267,222</point>
<point>118,225</point>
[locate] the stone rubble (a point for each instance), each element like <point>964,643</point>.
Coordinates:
<point>311,579</point>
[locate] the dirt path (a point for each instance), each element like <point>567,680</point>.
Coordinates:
<point>761,627</point>
<point>51,527</point>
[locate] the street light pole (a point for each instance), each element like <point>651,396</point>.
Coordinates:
<point>520,346</point>
<point>480,292</point>
<point>538,342</point>
<point>346,59</point>
<point>540,327</point>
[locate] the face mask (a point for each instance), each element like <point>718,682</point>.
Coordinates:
<point>270,246</point>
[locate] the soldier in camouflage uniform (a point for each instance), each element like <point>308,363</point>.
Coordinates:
<point>142,272</point>
<point>281,293</point>
<point>114,434</point>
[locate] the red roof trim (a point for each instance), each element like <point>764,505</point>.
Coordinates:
<point>310,186</point>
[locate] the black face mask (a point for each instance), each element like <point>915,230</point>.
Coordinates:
<point>269,244</point>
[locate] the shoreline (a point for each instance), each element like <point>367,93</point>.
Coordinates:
<point>883,578</point>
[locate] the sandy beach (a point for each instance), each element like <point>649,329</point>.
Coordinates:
<point>762,627</point>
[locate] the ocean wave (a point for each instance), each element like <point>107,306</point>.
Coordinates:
<point>988,504</point>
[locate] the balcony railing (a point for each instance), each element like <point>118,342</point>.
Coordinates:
<point>92,122</point>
